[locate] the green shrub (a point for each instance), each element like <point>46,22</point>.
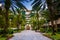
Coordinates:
<point>22,27</point>
<point>10,31</point>
<point>1,31</point>
<point>42,30</point>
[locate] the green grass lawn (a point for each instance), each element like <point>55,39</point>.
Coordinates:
<point>5,37</point>
<point>2,38</point>
<point>54,37</point>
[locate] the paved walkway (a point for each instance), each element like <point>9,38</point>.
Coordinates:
<point>29,35</point>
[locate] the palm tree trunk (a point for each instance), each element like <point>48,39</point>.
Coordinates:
<point>18,24</point>
<point>56,25</point>
<point>7,6</point>
<point>50,8</point>
<point>38,21</point>
<point>53,27</point>
<point>6,21</point>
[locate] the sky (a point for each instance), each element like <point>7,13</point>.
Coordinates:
<point>26,4</point>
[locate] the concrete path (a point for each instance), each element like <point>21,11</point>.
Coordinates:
<point>29,35</point>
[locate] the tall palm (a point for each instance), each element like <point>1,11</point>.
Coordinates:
<point>37,5</point>
<point>9,4</point>
<point>18,17</point>
<point>42,5</point>
<point>53,12</point>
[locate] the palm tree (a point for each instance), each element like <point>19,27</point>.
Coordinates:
<point>10,4</point>
<point>37,4</point>
<point>42,4</point>
<point>18,17</point>
<point>52,10</point>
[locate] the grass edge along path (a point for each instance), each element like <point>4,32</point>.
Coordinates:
<point>6,37</point>
<point>53,37</point>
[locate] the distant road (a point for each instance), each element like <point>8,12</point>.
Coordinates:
<point>29,35</point>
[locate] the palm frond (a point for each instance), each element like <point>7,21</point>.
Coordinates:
<point>20,5</point>
<point>39,5</point>
<point>34,2</point>
<point>13,10</point>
